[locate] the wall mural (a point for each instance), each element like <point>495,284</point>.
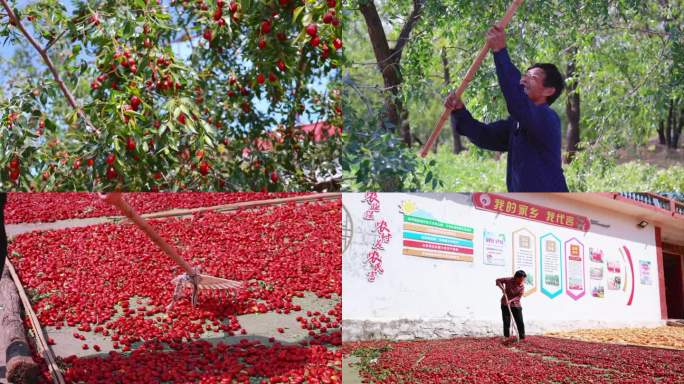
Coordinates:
<point>383,236</point>
<point>551,273</point>
<point>574,269</point>
<point>522,209</point>
<point>596,273</point>
<point>552,263</point>
<point>494,244</point>
<point>525,257</point>
<point>425,236</point>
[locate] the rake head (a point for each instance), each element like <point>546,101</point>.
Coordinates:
<point>213,282</point>
<point>199,282</point>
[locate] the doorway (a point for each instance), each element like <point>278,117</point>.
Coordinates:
<point>674,285</point>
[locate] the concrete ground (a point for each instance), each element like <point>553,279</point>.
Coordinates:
<point>350,372</point>
<point>258,326</point>
<point>17,229</point>
<point>661,337</point>
<point>668,337</point>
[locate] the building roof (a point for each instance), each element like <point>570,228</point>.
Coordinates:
<point>320,131</point>
<point>657,210</point>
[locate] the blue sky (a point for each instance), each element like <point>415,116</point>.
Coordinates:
<point>180,50</point>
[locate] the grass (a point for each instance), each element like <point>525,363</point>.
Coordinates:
<point>472,170</point>
<point>368,357</point>
<point>478,170</point>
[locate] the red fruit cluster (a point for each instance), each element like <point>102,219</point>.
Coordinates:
<point>41,127</point>
<point>135,102</point>
<point>110,158</point>
<point>181,118</point>
<point>111,173</point>
<point>265,26</point>
<point>95,18</point>
<point>130,144</point>
<point>650,362</point>
<point>93,270</point>
<point>48,207</point>
<point>297,251</point>
<point>204,168</point>
<point>323,323</point>
<point>14,169</point>
<point>537,360</point>
<point>211,364</point>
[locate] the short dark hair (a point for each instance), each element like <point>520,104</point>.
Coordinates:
<point>552,79</point>
<point>520,273</point>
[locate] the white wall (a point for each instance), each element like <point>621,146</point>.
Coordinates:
<point>439,298</point>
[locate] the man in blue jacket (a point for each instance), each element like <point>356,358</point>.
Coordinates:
<point>532,133</point>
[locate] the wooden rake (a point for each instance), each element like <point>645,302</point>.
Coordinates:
<point>510,313</point>
<point>466,80</point>
<point>191,278</point>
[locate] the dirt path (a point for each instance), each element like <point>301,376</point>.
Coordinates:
<point>652,153</point>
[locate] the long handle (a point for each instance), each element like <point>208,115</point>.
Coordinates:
<point>510,312</point>
<point>153,235</point>
<point>468,77</point>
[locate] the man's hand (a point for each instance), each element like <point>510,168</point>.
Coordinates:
<point>452,102</point>
<point>496,39</point>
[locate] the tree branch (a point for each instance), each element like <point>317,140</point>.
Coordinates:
<point>43,53</point>
<point>418,6</point>
<point>187,33</point>
<point>53,41</point>
<point>376,33</point>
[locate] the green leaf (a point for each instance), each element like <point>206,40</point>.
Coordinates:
<point>307,19</point>
<point>297,11</point>
<point>207,140</point>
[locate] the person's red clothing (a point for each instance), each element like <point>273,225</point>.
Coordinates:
<point>513,290</point>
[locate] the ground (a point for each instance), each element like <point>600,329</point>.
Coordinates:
<point>652,153</point>
<point>662,337</point>
<point>100,290</point>
<point>539,359</point>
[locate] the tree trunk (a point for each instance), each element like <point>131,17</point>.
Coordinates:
<point>389,59</point>
<point>670,125</point>
<point>661,132</point>
<point>678,129</point>
<point>572,110</point>
<point>417,139</point>
<point>20,367</point>
<point>458,145</point>
<point>393,104</point>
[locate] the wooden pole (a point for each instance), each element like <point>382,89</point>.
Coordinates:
<point>468,77</point>
<point>20,367</point>
<point>41,343</point>
<point>245,205</point>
